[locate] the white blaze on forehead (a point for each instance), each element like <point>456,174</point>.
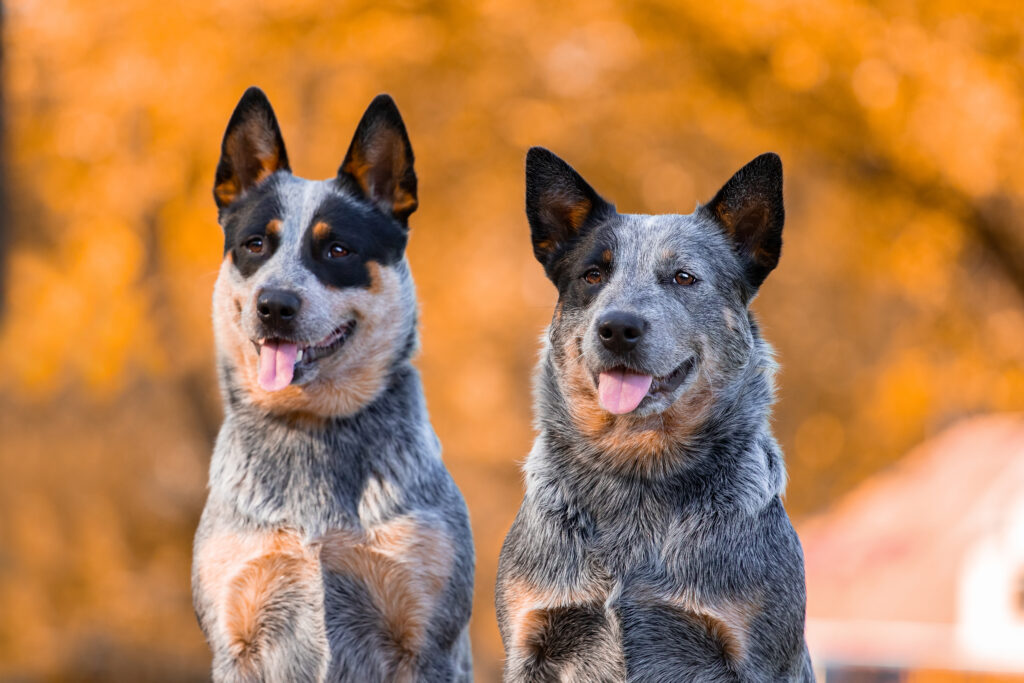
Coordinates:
<point>641,242</point>
<point>299,200</point>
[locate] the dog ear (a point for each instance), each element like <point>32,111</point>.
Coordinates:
<point>379,163</point>
<point>252,148</point>
<point>750,211</point>
<point>560,205</point>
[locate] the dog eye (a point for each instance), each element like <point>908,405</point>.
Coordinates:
<point>684,278</point>
<point>254,245</point>
<point>593,276</point>
<point>337,251</point>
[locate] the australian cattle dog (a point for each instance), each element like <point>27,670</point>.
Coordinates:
<point>334,545</point>
<point>652,543</point>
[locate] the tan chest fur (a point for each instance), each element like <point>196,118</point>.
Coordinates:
<point>403,563</point>
<point>728,622</point>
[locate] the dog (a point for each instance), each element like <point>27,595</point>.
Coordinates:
<point>652,543</point>
<point>334,545</point>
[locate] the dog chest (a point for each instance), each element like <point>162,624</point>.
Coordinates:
<point>619,623</point>
<point>253,578</point>
<point>403,565</point>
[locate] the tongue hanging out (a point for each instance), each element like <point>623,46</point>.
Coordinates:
<point>277,365</point>
<point>621,391</point>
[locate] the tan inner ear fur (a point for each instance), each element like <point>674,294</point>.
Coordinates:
<point>750,242</point>
<point>348,380</point>
<point>564,210</point>
<point>263,148</point>
<point>572,213</point>
<point>228,191</point>
<point>388,152</point>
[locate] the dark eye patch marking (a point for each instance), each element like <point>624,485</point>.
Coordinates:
<point>595,249</point>
<point>256,214</point>
<point>367,235</point>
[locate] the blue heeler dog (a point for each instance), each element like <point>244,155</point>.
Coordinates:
<point>652,544</point>
<point>334,545</point>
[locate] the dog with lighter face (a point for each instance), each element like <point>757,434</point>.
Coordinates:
<point>652,543</point>
<point>334,545</point>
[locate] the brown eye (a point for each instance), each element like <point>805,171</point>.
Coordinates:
<point>684,278</point>
<point>254,245</point>
<point>336,251</point>
<point>593,276</point>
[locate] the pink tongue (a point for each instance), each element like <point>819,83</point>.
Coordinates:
<point>620,392</point>
<point>277,365</point>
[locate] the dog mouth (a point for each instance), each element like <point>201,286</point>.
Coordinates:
<point>279,359</point>
<point>621,390</point>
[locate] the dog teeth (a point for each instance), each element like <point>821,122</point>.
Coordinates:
<point>298,356</point>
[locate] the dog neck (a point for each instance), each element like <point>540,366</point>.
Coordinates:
<point>307,473</point>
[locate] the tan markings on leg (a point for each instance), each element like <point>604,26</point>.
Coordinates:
<point>252,590</point>
<point>321,230</point>
<point>625,440</point>
<point>526,605</point>
<point>727,621</point>
<point>405,565</point>
<point>241,572</point>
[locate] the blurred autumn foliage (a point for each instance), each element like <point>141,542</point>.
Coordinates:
<point>896,309</point>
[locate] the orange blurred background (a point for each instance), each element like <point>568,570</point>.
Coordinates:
<point>897,310</point>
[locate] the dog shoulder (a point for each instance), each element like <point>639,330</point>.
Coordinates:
<point>753,609</point>
<point>551,597</point>
<point>249,587</point>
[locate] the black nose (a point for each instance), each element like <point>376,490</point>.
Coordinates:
<point>620,331</point>
<point>277,307</point>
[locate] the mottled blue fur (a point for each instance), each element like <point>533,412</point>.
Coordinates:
<point>334,545</point>
<point>684,566</point>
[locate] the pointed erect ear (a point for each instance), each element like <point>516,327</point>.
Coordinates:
<point>560,205</point>
<point>252,148</point>
<point>749,210</point>
<point>379,163</point>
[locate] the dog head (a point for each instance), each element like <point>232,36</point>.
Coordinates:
<point>314,303</point>
<point>652,319</point>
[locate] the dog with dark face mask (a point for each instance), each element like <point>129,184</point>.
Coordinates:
<point>334,545</point>
<point>652,543</point>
